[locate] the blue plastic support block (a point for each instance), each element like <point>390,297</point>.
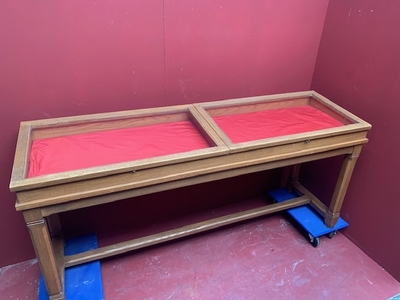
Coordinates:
<point>306,216</point>
<point>82,282</point>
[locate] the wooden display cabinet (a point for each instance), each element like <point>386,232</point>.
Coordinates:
<point>42,197</point>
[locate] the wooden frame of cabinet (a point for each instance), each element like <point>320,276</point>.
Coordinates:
<point>41,198</point>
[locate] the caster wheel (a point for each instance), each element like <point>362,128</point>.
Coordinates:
<point>331,234</point>
<point>314,242</point>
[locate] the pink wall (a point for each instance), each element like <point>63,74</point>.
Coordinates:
<point>358,67</point>
<point>60,58</point>
<point>229,49</point>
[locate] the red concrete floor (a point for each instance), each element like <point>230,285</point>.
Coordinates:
<point>260,259</point>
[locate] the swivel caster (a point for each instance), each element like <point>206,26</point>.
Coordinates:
<point>314,241</point>
<point>331,234</point>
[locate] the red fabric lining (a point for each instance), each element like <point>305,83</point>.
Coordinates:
<point>271,123</point>
<point>80,151</point>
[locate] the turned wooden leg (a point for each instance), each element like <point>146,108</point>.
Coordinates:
<point>45,253</point>
<point>349,162</point>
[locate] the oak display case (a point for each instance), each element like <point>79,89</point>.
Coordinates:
<point>42,195</point>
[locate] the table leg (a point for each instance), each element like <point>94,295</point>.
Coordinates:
<point>332,214</point>
<point>54,225</point>
<point>45,253</point>
<point>295,173</point>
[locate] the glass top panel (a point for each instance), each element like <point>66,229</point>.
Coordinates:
<point>75,147</point>
<point>256,125</point>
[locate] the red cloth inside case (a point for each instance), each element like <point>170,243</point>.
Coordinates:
<point>74,152</point>
<point>272,123</point>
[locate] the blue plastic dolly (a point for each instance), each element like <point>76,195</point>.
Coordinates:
<point>307,217</point>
